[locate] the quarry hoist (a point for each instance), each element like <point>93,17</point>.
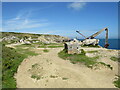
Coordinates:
<point>91,38</point>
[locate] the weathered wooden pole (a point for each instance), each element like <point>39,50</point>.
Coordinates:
<point>106,39</point>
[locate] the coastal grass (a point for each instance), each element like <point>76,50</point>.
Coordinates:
<point>107,65</point>
<point>64,78</point>
<point>95,51</point>
<point>45,50</point>
<point>113,58</point>
<point>41,45</point>
<point>49,46</point>
<point>37,77</point>
<point>117,82</point>
<point>11,59</point>
<point>25,45</point>
<point>78,58</point>
<point>54,46</point>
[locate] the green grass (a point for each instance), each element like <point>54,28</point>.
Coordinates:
<point>36,77</point>
<point>115,58</point>
<point>64,78</point>
<point>11,59</point>
<point>26,52</point>
<point>25,45</point>
<point>42,46</point>
<point>92,51</point>
<point>54,46</point>
<point>34,65</point>
<point>45,50</point>
<point>78,58</point>
<point>117,82</point>
<point>52,76</point>
<point>107,65</point>
<point>50,45</point>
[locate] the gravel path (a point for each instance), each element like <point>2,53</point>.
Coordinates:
<point>55,72</point>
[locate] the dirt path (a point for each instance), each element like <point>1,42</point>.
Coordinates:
<point>58,73</point>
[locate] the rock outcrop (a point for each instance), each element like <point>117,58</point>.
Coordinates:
<point>26,38</point>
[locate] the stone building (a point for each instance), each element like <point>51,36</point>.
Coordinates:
<point>72,47</point>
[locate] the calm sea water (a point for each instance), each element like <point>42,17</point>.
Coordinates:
<point>113,43</point>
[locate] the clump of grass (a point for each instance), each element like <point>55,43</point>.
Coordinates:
<point>117,82</point>
<point>64,78</point>
<point>35,77</point>
<point>92,51</point>
<point>45,50</point>
<point>54,46</point>
<point>115,58</point>
<point>107,65</point>
<point>52,76</point>
<point>24,45</point>
<point>42,46</point>
<point>34,65</point>
<point>78,58</point>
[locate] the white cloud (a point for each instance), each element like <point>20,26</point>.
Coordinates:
<point>0,29</point>
<point>77,5</point>
<point>22,21</point>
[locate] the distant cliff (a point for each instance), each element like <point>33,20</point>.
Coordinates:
<point>27,38</point>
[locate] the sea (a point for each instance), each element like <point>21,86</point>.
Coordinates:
<point>113,43</point>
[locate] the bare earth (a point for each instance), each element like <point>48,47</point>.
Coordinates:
<point>58,73</point>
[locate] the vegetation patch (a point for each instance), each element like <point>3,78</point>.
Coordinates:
<point>34,65</point>
<point>115,58</point>
<point>78,58</point>
<point>92,51</point>
<point>107,65</point>
<point>45,50</point>
<point>25,45</point>
<point>42,46</point>
<point>54,46</point>
<point>64,78</point>
<point>117,82</point>
<point>37,77</point>
<point>52,76</point>
<point>11,59</point>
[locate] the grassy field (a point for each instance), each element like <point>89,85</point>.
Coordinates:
<point>42,45</point>
<point>11,59</point>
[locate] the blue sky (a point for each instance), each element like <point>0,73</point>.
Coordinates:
<point>61,18</point>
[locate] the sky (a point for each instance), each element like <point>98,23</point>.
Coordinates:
<point>61,18</point>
